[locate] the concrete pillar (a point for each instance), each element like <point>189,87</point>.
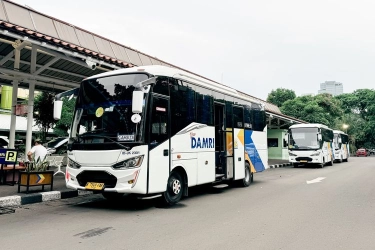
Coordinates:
<point>12,132</point>
<point>30,118</point>
<point>30,105</point>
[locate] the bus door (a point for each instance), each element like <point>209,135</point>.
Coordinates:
<point>220,142</point>
<point>238,143</point>
<point>159,143</point>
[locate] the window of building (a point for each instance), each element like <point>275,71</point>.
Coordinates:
<point>273,142</point>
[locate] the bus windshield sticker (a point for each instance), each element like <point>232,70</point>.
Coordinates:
<point>160,109</point>
<point>125,137</point>
<point>99,112</point>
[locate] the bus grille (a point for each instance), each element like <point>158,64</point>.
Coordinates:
<point>97,176</point>
<point>303,159</point>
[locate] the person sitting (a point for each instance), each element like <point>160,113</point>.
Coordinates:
<point>39,152</point>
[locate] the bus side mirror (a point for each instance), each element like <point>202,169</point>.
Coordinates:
<point>137,102</point>
<point>319,137</point>
<point>57,108</point>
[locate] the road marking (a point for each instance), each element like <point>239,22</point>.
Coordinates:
<point>319,179</point>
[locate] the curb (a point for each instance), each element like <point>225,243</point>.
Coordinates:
<point>18,200</point>
<point>280,165</point>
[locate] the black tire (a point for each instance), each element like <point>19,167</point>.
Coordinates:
<point>112,196</point>
<point>331,162</point>
<point>295,165</point>
<point>175,190</point>
<point>322,164</point>
<point>249,177</point>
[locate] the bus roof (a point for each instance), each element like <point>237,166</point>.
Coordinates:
<point>309,125</point>
<point>339,132</point>
<point>158,70</point>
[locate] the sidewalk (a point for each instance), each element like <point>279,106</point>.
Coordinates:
<point>273,163</point>
<point>9,195</point>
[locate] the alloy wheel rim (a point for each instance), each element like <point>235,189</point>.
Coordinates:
<point>176,186</point>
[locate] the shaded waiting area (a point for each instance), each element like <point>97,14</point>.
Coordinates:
<point>39,52</point>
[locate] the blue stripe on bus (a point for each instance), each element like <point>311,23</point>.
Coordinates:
<point>252,151</point>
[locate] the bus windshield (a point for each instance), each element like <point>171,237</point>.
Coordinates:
<point>104,110</point>
<point>336,142</point>
<point>304,138</point>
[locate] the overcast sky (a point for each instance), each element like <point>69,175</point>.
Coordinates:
<point>253,46</point>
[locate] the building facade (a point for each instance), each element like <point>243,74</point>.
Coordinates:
<point>331,87</point>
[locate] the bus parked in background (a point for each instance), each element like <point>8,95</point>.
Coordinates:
<point>159,130</point>
<point>341,146</point>
<point>310,144</point>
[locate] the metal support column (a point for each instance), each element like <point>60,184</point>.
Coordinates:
<point>12,132</point>
<point>30,118</point>
<point>30,105</point>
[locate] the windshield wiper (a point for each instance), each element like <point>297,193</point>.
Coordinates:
<point>94,131</point>
<point>106,137</point>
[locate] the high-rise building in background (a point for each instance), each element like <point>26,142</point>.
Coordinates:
<point>331,87</point>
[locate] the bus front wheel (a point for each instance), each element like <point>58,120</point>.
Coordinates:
<point>175,189</point>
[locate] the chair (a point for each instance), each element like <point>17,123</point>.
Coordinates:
<point>56,161</point>
<point>50,160</point>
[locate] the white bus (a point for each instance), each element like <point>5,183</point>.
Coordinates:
<point>158,130</point>
<point>341,146</point>
<point>310,144</point>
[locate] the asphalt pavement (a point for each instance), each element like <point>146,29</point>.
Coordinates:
<point>285,208</point>
<point>9,195</point>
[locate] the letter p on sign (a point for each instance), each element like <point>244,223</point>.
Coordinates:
<point>11,156</point>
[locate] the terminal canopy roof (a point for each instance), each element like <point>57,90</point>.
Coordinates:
<point>57,56</point>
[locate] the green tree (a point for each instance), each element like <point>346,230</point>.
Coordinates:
<point>322,108</point>
<point>43,113</point>
<point>359,108</point>
<point>280,95</point>
<point>63,125</point>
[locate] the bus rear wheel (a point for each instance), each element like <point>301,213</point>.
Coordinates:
<point>245,182</point>
<point>330,163</point>
<point>175,190</point>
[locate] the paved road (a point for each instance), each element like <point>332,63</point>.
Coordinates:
<point>279,211</point>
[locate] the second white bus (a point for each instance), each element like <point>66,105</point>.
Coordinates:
<point>310,144</point>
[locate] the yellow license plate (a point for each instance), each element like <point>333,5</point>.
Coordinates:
<point>303,161</point>
<point>94,186</point>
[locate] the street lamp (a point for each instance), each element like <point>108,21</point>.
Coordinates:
<point>345,127</point>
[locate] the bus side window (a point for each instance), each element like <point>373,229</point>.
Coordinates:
<point>182,98</point>
<point>238,117</point>
<point>159,121</point>
<point>247,117</point>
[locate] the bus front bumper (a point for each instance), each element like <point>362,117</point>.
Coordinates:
<point>305,160</point>
<point>103,179</point>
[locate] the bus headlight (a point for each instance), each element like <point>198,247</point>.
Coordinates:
<point>73,164</point>
<point>134,162</point>
<point>315,154</point>
<point>291,154</point>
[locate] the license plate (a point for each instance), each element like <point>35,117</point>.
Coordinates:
<point>94,186</point>
<point>303,161</point>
